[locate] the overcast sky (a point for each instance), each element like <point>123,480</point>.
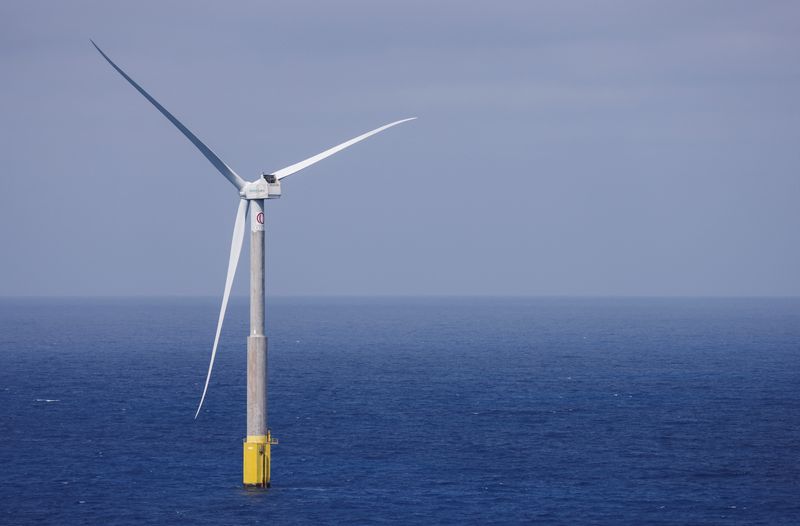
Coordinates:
<point>562,148</point>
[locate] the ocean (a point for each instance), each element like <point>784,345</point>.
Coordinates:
<point>405,411</point>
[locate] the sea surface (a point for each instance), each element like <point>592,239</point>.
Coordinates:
<point>405,411</point>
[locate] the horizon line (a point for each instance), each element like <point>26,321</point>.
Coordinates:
<point>409,296</point>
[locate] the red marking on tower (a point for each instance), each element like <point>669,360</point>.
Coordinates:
<point>260,218</point>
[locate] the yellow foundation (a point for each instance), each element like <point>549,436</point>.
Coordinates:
<point>256,461</point>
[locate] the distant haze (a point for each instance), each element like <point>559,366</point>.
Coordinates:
<point>562,148</point>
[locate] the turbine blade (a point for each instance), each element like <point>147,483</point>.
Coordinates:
<point>218,163</point>
<point>233,261</point>
<point>289,170</point>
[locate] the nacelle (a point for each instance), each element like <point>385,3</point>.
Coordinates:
<point>267,187</point>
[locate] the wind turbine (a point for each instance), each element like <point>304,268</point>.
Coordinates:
<point>252,194</point>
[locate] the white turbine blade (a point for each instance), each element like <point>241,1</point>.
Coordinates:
<point>223,168</point>
<point>289,170</point>
<point>233,261</point>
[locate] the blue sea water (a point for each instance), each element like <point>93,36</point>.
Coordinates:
<point>405,411</point>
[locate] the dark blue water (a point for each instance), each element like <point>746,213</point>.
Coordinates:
<point>405,411</point>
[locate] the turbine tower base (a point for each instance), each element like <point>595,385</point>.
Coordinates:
<point>256,461</point>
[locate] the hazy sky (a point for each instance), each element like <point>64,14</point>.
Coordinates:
<point>562,148</point>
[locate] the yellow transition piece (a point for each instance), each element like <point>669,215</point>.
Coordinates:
<point>257,460</point>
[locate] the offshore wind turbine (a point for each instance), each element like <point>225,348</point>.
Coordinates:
<point>252,194</point>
